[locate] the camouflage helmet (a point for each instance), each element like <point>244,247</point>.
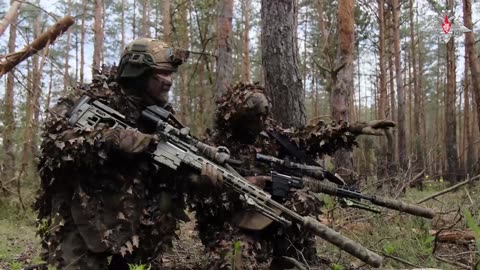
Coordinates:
<point>145,54</point>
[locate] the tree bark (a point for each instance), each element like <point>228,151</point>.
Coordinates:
<point>416,136</point>
<point>383,102</point>
<point>182,30</point>
<point>8,165</point>
<point>423,123</point>
<point>246,41</point>
<point>82,41</point>
<point>467,147</point>
<point>37,93</point>
<point>343,83</point>
<point>98,36</point>
<point>439,136</point>
<point>283,82</point>
<point>9,16</point>
<point>472,56</point>
<point>450,111</point>
<point>402,143</point>
<point>66,75</point>
<point>167,27</point>
<point>134,20</point>
<point>122,26</point>
<point>224,47</point>
<point>145,18</point>
<point>9,61</point>
<point>392,111</point>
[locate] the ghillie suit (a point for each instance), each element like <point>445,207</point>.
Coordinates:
<point>100,195</point>
<point>243,125</point>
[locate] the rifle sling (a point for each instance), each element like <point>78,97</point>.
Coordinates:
<point>301,155</point>
<point>292,148</point>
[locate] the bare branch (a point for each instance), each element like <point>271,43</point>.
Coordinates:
<point>11,60</point>
<point>12,12</point>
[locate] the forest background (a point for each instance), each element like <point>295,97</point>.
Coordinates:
<point>390,66</point>
<point>194,25</point>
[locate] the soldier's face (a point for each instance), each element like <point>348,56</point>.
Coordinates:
<point>158,86</point>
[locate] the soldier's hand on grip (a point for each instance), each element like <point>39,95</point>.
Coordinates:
<point>210,175</point>
<point>129,141</point>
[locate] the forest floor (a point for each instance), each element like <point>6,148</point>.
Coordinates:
<point>406,242</point>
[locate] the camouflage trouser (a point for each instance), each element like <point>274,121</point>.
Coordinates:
<point>72,253</point>
<point>78,241</point>
<point>238,251</point>
<point>294,243</point>
<point>64,246</point>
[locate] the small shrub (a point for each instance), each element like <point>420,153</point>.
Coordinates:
<point>16,266</point>
<point>336,266</point>
<point>473,226</point>
<point>138,267</point>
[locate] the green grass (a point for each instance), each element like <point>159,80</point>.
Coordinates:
<point>401,235</point>
<point>18,244</point>
<point>391,234</point>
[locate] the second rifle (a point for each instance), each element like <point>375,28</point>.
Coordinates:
<point>285,181</point>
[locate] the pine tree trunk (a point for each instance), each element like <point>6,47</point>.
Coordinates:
<point>167,27</point>
<point>9,16</point>
<point>416,135</point>
<point>182,31</point>
<point>423,123</point>
<point>50,86</point>
<point>202,94</point>
<point>134,20</point>
<point>224,47</point>
<point>450,111</point>
<point>38,70</point>
<point>283,82</point>
<point>246,41</point>
<point>466,118</point>
<point>145,18</point>
<point>439,136</point>
<point>66,75</point>
<point>382,103</point>
<point>8,166</point>
<point>98,38</point>
<point>77,61</point>
<point>472,55</point>
<point>402,144</point>
<point>82,41</point>
<point>475,128</point>
<point>409,89</point>
<point>122,26</point>
<point>342,91</point>
<point>392,111</point>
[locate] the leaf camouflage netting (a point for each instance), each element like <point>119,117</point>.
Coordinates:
<point>95,199</point>
<point>317,140</point>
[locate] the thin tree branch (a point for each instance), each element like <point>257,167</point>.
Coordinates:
<point>12,12</point>
<point>48,37</point>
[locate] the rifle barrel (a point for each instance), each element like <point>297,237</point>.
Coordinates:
<point>416,210</point>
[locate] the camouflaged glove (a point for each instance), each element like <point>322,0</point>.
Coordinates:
<point>129,141</point>
<point>211,174</point>
<point>209,178</point>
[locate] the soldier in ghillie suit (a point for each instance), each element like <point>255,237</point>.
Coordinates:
<point>101,198</point>
<point>243,124</point>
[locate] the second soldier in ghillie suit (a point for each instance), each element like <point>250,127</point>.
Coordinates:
<point>101,199</point>
<point>243,124</point>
